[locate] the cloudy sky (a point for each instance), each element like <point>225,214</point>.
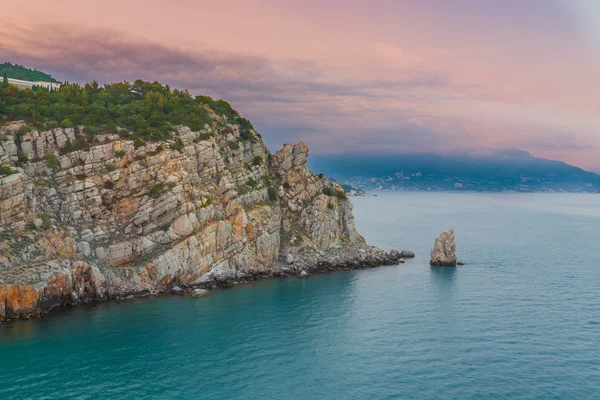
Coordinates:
<point>355,76</point>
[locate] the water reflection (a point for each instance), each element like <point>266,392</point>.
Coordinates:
<point>444,280</point>
<point>18,330</point>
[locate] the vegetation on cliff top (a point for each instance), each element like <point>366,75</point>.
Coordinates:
<point>146,109</point>
<point>16,71</point>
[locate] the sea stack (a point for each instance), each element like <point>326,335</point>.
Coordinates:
<point>443,253</point>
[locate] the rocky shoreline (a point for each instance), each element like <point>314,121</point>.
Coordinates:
<point>48,299</point>
<point>360,260</point>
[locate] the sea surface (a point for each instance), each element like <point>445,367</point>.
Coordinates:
<point>520,320</point>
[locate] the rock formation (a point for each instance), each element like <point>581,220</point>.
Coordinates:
<point>443,253</point>
<point>407,254</point>
<point>118,217</point>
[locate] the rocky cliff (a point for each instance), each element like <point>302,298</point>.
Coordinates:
<point>88,217</point>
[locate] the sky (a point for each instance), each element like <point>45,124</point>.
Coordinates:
<point>352,76</point>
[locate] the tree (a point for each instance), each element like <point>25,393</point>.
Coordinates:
<point>5,79</point>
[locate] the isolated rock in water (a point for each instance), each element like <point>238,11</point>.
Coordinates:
<point>200,292</point>
<point>443,253</point>
<point>401,261</point>
<point>407,254</point>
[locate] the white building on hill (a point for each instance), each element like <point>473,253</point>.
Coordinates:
<point>28,85</point>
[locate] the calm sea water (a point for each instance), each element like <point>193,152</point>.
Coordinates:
<point>521,320</point>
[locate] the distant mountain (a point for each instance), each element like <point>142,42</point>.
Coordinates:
<point>16,71</point>
<point>489,171</point>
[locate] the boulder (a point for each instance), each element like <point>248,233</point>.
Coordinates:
<point>303,274</point>
<point>443,253</point>
<point>177,290</point>
<point>407,254</point>
<point>200,293</point>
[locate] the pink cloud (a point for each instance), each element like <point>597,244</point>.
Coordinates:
<point>384,76</point>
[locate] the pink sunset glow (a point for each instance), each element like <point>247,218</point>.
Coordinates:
<point>378,76</point>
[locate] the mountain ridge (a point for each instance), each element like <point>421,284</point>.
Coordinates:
<point>497,170</point>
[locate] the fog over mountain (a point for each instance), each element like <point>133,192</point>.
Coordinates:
<point>494,171</point>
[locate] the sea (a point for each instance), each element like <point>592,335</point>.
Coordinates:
<point>520,320</point>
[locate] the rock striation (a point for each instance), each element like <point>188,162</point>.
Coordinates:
<point>443,253</point>
<point>119,217</point>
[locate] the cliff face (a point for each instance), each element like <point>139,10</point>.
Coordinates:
<point>113,216</point>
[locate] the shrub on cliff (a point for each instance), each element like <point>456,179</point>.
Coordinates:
<point>110,168</point>
<point>156,190</point>
<point>177,145</point>
<point>272,193</point>
<point>5,171</point>
<point>328,191</point>
<point>21,157</point>
<point>341,195</point>
<point>252,183</point>
<point>24,129</point>
<point>51,161</point>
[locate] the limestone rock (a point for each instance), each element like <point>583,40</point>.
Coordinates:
<point>443,253</point>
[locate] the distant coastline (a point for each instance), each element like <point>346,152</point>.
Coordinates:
<point>506,171</point>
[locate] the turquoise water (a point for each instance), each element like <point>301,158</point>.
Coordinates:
<point>521,320</point>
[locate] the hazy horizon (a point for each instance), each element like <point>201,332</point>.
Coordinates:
<point>414,77</point>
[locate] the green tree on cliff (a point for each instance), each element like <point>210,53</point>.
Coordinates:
<point>5,79</point>
<point>148,110</point>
